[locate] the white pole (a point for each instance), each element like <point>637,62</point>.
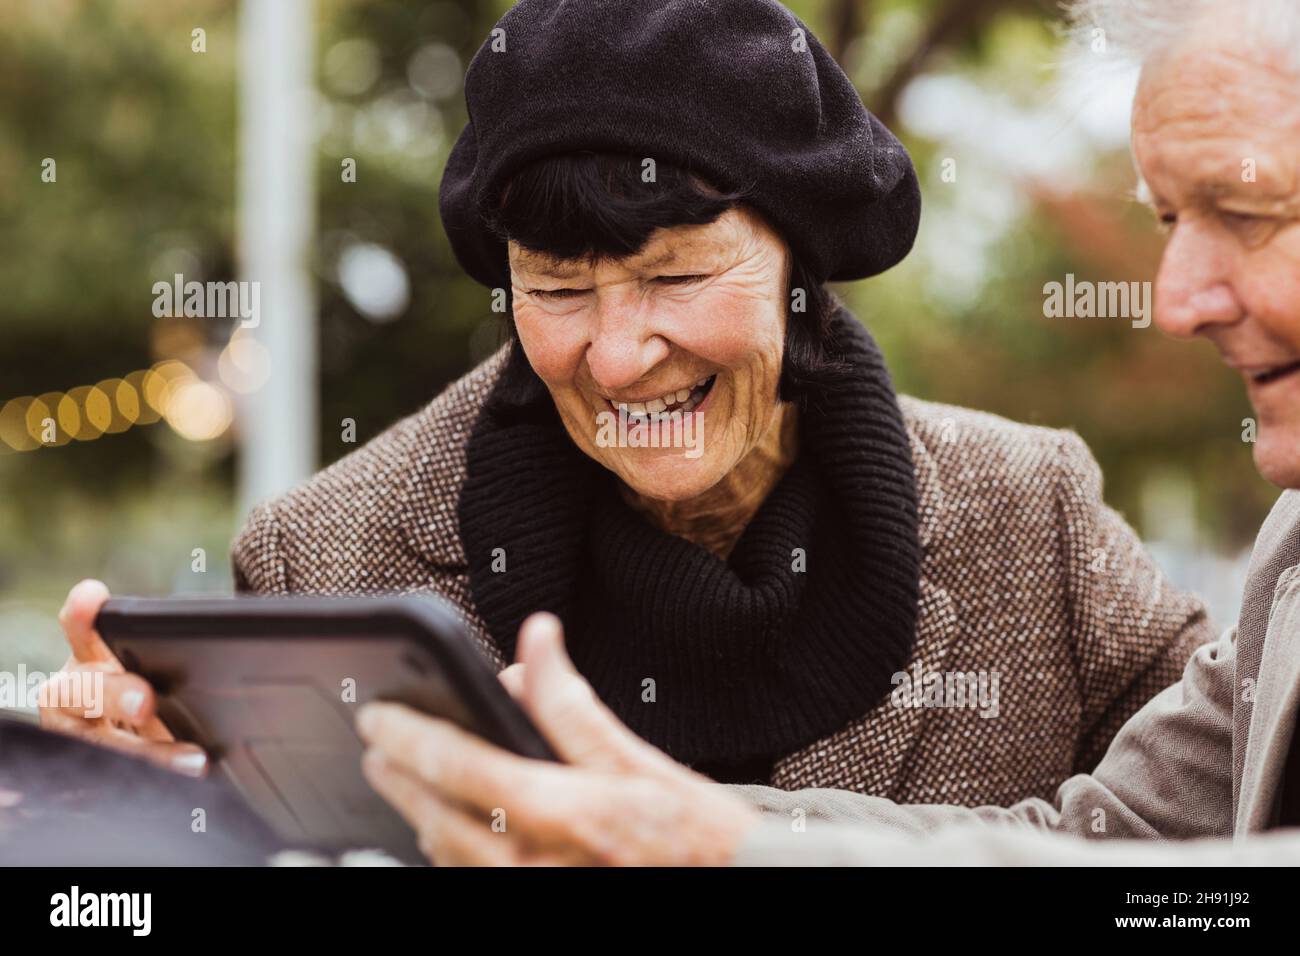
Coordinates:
<point>276,221</point>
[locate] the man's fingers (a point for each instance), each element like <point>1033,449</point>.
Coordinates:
<point>533,797</point>
<point>449,836</point>
<point>454,762</point>
<point>78,620</point>
<point>567,711</point>
<point>404,793</point>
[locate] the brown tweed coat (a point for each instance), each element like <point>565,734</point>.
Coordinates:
<point>1025,573</point>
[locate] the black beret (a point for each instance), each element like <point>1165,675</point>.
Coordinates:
<point>739,91</point>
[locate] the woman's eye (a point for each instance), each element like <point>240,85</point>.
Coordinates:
<point>556,293</point>
<point>679,280</point>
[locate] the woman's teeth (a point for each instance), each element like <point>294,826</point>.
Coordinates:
<point>681,402</point>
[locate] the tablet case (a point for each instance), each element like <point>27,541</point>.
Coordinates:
<point>270,686</point>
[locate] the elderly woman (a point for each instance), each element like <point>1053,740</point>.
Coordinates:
<point>782,588</point>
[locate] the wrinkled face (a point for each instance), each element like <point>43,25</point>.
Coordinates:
<point>690,332</point>
<point>1216,135</point>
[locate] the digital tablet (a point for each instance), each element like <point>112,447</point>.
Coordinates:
<point>270,687</point>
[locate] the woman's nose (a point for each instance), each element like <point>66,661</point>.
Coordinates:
<point>623,351</point>
<point>1194,288</point>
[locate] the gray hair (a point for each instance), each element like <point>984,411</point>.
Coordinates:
<point>1139,30</point>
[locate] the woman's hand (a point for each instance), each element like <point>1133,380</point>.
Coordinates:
<point>94,698</point>
<point>615,800</point>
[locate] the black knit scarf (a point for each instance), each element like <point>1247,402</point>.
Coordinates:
<point>726,665</point>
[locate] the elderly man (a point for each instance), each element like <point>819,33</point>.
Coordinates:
<point>1213,756</point>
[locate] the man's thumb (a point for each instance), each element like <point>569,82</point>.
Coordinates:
<point>580,728</point>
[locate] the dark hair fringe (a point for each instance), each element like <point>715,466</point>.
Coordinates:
<point>595,206</point>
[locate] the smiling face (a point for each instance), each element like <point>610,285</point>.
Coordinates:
<point>1216,136</point>
<point>695,322</point>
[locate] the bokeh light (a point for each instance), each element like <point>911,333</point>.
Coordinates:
<point>170,390</point>
<point>245,364</point>
<point>374,281</point>
<point>198,410</point>
<point>13,424</point>
<point>92,412</point>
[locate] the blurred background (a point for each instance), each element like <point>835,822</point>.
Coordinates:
<point>301,143</point>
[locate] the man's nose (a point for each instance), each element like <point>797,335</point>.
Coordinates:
<point>624,345</point>
<point>1194,288</point>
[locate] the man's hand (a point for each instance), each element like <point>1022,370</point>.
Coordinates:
<point>93,697</point>
<point>615,799</point>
